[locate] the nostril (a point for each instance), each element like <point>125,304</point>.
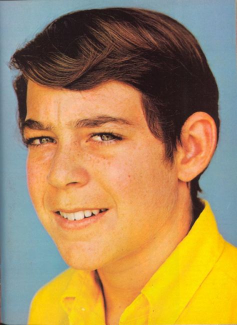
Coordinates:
<point>71,183</point>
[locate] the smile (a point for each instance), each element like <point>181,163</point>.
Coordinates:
<point>80,214</point>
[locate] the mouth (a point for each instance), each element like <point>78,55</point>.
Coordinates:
<point>80,215</point>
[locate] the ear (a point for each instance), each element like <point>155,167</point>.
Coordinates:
<point>198,144</point>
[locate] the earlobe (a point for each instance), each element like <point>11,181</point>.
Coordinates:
<point>198,143</point>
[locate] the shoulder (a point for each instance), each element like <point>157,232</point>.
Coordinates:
<point>46,305</point>
<point>215,300</point>
<point>56,286</point>
<point>227,264</point>
<point>222,279</point>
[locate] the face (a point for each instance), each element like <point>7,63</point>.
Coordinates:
<point>97,177</point>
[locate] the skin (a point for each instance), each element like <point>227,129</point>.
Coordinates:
<point>76,168</point>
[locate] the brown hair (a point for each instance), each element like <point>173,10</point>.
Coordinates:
<point>147,50</point>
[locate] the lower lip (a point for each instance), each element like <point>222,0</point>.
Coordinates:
<point>78,224</point>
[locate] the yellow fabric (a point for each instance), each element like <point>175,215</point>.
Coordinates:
<point>196,285</point>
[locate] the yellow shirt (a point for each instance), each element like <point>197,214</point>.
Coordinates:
<point>196,285</point>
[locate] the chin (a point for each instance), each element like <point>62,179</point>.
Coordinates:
<point>80,259</point>
<point>81,264</point>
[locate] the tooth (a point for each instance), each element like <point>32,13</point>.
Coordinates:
<point>95,212</point>
<point>79,215</point>
<point>87,213</point>
<point>102,210</point>
<point>70,216</point>
<point>63,215</point>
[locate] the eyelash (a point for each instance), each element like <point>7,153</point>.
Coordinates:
<point>114,137</point>
<point>30,142</point>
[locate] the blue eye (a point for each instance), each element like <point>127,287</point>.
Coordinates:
<point>38,141</point>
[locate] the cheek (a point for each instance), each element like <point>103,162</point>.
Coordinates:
<point>115,173</point>
<point>130,177</point>
<point>36,179</point>
<point>142,183</point>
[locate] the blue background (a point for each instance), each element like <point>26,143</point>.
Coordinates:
<point>29,257</point>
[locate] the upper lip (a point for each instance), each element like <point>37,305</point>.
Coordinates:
<point>78,210</point>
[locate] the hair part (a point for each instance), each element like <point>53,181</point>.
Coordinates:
<point>144,49</point>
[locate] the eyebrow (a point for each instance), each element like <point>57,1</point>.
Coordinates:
<point>99,121</point>
<point>81,123</point>
<point>35,125</point>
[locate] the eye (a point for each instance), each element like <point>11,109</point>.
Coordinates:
<point>38,141</point>
<point>106,137</point>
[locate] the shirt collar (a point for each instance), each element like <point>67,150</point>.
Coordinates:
<point>83,296</point>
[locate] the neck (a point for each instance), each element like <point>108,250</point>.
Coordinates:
<point>129,275</point>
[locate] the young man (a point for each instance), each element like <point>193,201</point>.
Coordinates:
<point>119,110</point>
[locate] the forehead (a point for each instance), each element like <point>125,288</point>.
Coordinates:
<point>112,98</point>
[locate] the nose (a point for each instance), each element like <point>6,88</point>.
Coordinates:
<point>67,168</point>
